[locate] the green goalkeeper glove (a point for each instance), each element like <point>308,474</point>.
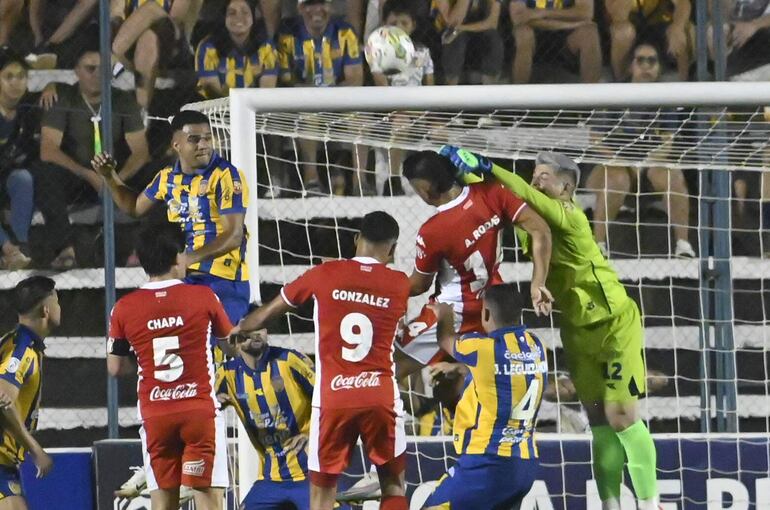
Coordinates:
<point>470,167</point>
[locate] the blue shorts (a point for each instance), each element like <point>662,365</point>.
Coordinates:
<point>10,482</point>
<point>501,482</point>
<point>269,495</point>
<point>235,296</point>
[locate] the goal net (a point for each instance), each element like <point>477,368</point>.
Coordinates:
<point>672,176</point>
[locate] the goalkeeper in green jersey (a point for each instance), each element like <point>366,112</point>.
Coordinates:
<point>601,329</point>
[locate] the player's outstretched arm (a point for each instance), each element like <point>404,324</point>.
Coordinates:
<point>468,163</point>
<point>118,366</point>
<point>125,198</point>
<point>540,235</point>
<point>11,422</point>
<point>445,334</point>
<point>260,317</point>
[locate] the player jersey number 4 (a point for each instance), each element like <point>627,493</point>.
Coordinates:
<point>358,306</point>
<point>168,324</point>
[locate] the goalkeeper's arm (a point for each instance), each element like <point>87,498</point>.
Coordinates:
<point>549,208</point>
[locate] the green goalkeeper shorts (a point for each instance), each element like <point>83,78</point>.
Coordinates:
<point>606,359</point>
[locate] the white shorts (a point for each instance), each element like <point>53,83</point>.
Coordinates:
<point>219,475</point>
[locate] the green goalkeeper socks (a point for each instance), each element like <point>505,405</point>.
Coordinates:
<point>642,460</point>
<point>609,458</point>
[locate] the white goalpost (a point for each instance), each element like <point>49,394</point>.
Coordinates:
<point>680,150</point>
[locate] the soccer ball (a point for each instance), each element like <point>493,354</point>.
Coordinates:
<point>389,50</point>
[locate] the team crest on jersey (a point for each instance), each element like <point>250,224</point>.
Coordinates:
<point>14,487</point>
<point>203,188</point>
<point>13,365</point>
<point>237,187</point>
<point>278,384</point>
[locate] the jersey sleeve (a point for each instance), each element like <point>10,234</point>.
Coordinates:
<point>285,54</point>
<point>466,349</point>
<point>549,208</point>
<point>152,191</point>
<point>117,344</point>
<point>220,322</point>
<point>303,371</point>
<point>301,289</point>
<point>428,253</point>
<point>232,193</point>
<point>206,60</point>
<point>351,53</point>
<point>220,380</point>
<point>269,59</point>
<point>509,205</point>
<point>17,367</point>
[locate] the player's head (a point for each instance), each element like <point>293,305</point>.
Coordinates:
<point>253,343</point>
<point>400,13</point>
<point>501,307</point>
<point>315,14</point>
<point>192,138</point>
<point>161,250</point>
<point>88,61</point>
<point>556,175</point>
<point>645,63</point>
<point>13,76</point>
<point>36,300</point>
<point>378,236</point>
<point>431,175</point>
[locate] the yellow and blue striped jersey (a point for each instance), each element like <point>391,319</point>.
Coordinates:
<point>497,411</point>
<point>21,364</point>
<point>197,202</point>
<point>320,62</point>
<point>273,402</point>
<point>236,69</point>
<point>436,422</point>
<point>132,5</point>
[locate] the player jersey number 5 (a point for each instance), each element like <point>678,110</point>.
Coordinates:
<point>169,365</point>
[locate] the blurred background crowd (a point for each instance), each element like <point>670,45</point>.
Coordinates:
<point>167,53</point>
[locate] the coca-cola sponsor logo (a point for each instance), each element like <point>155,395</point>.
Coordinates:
<point>362,380</point>
<point>179,392</point>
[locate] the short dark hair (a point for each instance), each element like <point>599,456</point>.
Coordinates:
<point>157,246</point>
<point>9,56</point>
<point>186,117</point>
<point>432,167</point>
<point>90,45</point>
<point>379,227</point>
<point>504,302</point>
<point>30,292</point>
<point>646,42</point>
<point>399,7</point>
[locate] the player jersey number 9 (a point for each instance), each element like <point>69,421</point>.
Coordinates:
<point>163,356</point>
<point>356,329</point>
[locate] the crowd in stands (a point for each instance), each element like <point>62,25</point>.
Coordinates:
<point>209,47</point>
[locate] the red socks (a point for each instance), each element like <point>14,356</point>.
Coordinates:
<point>394,503</point>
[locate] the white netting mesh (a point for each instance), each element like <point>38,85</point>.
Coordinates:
<point>299,225</point>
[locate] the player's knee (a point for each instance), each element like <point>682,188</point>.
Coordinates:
<point>621,417</point>
<point>623,34</point>
<point>617,180</point>
<point>525,38</point>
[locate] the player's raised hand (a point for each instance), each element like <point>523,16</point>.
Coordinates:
<point>296,443</point>
<point>465,161</point>
<point>542,300</point>
<point>43,462</point>
<point>104,164</point>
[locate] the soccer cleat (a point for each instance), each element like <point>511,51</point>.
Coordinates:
<point>367,488</point>
<point>132,487</point>
<point>684,249</point>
